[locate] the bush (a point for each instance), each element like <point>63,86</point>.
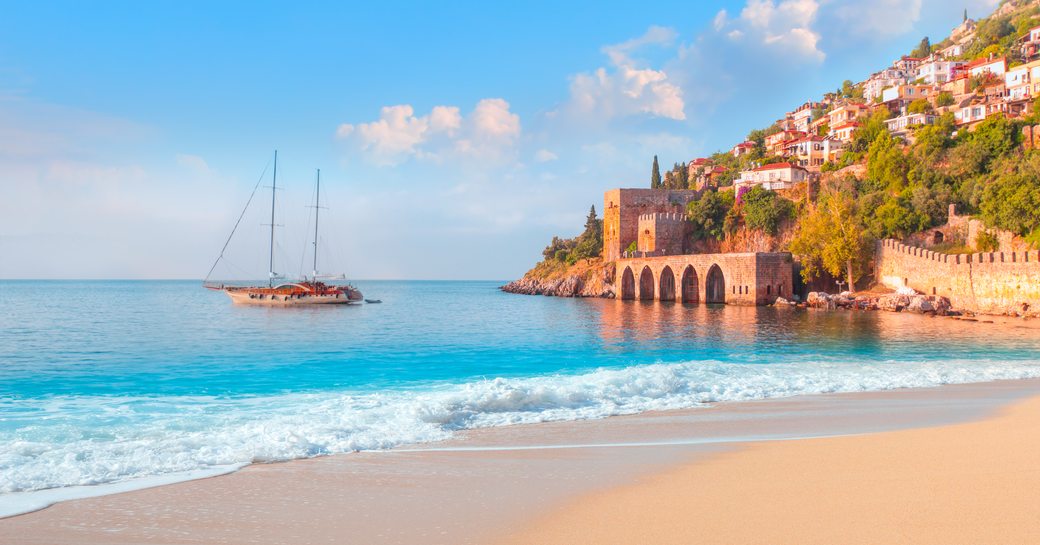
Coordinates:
<point>764,210</point>
<point>987,242</point>
<point>708,214</point>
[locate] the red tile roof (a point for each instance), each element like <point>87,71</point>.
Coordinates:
<point>844,125</point>
<point>777,166</point>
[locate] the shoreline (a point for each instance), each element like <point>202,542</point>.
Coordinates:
<point>538,464</point>
<point>972,482</point>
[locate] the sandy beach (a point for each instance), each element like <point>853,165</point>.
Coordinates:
<point>730,473</point>
<point>976,483</point>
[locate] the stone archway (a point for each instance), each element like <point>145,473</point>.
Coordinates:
<point>714,286</point>
<point>646,285</point>
<point>628,284</point>
<point>666,285</point>
<point>689,285</point>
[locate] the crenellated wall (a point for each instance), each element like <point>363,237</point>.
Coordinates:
<point>662,233</point>
<point>623,207</point>
<point>988,283</point>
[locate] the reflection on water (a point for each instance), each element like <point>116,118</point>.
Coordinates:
<point>770,334</point>
<point>176,338</point>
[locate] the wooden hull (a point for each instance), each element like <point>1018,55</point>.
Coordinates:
<point>240,297</point>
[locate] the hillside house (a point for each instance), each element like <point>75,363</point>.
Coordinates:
<point>801,117</point>
<point>845,112</point>
<point>1030,46</point>
<point>879,81</point>
<point>899,97</point>
<point>812,152</point>
<point>955,50</point>
<point>775,142</point>
<point>774,177</point>
<point>843,131</point>
<point>901,126</point>
<point>936,71</point>
<point>743,148</point>
<point>980,67</point>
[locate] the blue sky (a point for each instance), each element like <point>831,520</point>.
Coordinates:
<point>454,140</point>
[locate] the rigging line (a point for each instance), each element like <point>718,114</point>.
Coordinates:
<point>233,229</point>
<point>303,254</point>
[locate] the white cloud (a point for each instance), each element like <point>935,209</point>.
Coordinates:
<point>544,156</point>
<point>193,163</point>
<point>878,19</point>
<point>786,26</point>
<point>399,134</point>
<point>627,88</point>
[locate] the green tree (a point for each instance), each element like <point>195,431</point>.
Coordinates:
<point>764,210</point>
<point>944,98</point>
<point>829,238</point>
<point>873,125</point>
<point>708,214</point>
<point>886,164</point>
<point>923,49</point>
<point>590,242</point>
<point>655,175</point>
<point>919,106</point>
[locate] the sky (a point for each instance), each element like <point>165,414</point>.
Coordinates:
<point>454,139</point>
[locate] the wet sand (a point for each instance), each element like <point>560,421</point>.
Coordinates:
<point>971,483</point>
<point>524,481</point>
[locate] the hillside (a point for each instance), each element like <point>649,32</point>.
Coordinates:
<point>914,143</point>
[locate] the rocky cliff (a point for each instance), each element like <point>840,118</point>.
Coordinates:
<point>586,278</point>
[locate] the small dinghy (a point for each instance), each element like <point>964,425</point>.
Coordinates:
<point>373,301</point>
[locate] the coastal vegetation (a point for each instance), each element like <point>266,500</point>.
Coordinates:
<point>882,186</point>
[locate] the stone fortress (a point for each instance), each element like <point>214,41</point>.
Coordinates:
<point>646,236</point>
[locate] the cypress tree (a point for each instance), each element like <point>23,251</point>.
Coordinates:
<point>655,176</point>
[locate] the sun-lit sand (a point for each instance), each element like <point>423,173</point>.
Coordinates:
<point>971,483</point>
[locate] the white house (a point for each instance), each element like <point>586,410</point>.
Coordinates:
<point>900,126</point>
<point>843,131</point>
<point>777,176</point>
<point>997,67</point>
<point>936,71</point>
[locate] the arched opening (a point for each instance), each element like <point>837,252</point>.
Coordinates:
<point>689,285</point>
<point>666,289</point>
<point>646,285</point>
<point>714,286</point>
<point>937,237</point>
<point>628,284</point>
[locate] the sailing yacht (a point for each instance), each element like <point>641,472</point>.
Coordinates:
<point>310,291</point>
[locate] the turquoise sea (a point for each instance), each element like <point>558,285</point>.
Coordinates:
<point>106,382</point>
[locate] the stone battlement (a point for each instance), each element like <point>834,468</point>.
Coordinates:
<point>981,258</point>
<point>985,282</point>
<point>663,216</point>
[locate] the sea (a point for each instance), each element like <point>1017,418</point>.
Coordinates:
<point>116,383</point>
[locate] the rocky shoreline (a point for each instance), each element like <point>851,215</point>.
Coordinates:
<point>891,302</point>
<point>568,286</point>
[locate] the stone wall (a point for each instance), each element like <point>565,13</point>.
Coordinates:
<point>746,278</point>
<point>987,283</point>
<point>622,208</point>
<point>966,230</point>
<point>662,233</point>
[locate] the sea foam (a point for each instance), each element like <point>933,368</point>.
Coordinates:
<point>101,440</point>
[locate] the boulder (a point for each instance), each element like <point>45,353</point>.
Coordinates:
<point>781,302</point>
<point>818,299</point>
<point>920,304</point>
<point>893,303</point>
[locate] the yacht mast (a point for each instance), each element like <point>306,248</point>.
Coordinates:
<point>274,186</point>
<point>317,207</point>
